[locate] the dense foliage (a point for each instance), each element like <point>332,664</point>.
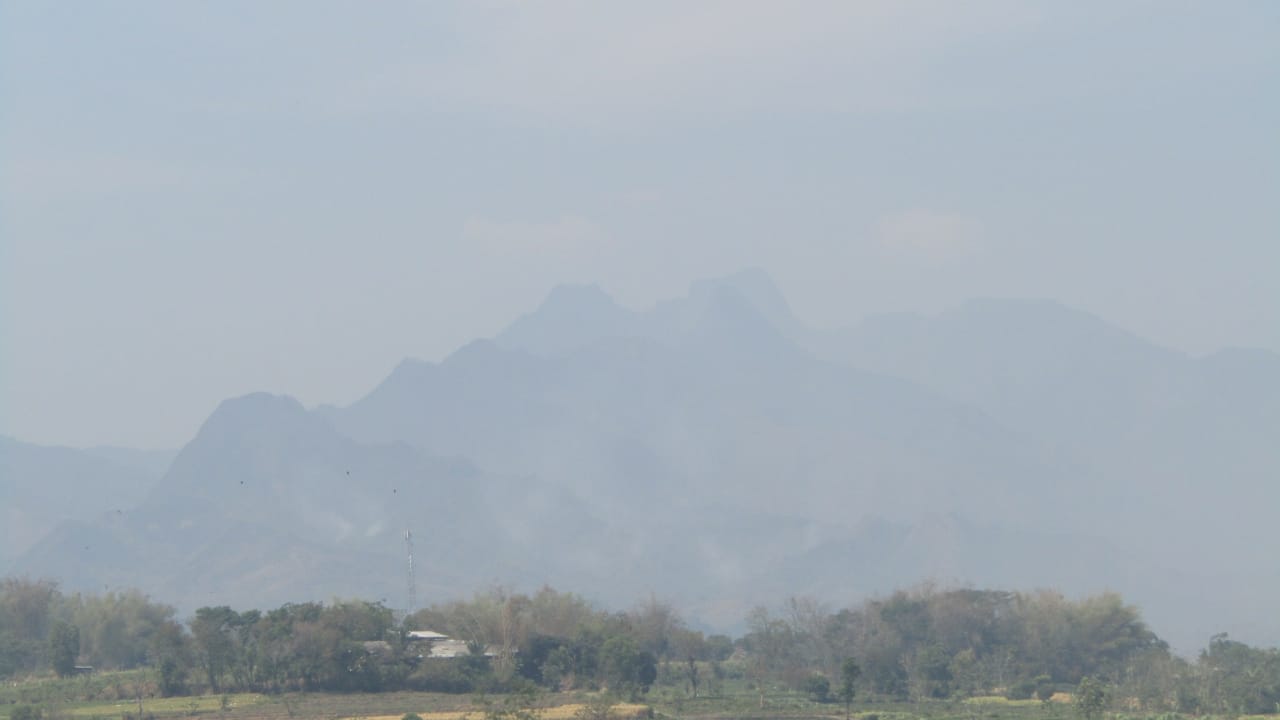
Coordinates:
<point>915,645</point>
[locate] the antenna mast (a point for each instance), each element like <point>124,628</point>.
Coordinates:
<point>408,546</point>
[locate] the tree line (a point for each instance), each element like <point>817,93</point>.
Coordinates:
<point>920,644</point>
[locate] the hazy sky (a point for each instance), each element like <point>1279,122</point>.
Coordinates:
<point>199,200</point>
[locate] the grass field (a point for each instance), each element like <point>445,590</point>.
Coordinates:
<point>166,707</point>
<point>621,711</point>
<point>54,698</point>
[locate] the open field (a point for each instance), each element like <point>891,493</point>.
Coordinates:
<point>437,706</point>
<point>165,707</point>
<point>63,700</point>
<point>621,711</point>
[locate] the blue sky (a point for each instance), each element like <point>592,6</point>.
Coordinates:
<point>203,200</point>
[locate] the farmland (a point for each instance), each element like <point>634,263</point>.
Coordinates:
<point>59,700</point>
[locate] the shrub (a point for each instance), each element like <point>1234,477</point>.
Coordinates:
<point>25,712</point>
<point>818,687</point>
<point>1044,688</point>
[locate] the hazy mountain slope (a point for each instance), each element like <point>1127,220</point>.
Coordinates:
<point>1170,437</point>
<point>877,556</point>
<point>729,411</point>
<point>703,451</point>
<point>268,504</point>
<point>1077,376</point>
<point>41,486</point>
<point>1170,457</point>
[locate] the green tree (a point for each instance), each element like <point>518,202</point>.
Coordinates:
<point>849,673</point>
<point>627,669</point>
<point>1044,689</point>
<point>534,655</point>
<point>818,688</point>
<point>64,648</point>
<point>770,644</point>
<point>557,669</point>
<point>215,649</point>
<point>690,645</point>
<point>964,673</point>
<point>1090,698</point>
<point>1240,679</point>
<point>26,609</point>
<point>116,628</point>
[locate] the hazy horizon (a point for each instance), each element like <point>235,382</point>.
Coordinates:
<point>202,201</point>
<point>379,375</point>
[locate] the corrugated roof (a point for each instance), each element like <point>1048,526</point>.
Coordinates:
<point>449,649</point>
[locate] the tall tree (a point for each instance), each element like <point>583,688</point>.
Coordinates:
<point>771,647</point>
<point>849,673</point>
<point>64,648</point>
<point>215,648</point>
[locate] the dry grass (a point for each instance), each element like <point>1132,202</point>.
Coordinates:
<point>1058,697</point>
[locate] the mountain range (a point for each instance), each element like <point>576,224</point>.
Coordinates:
<point>718,452</point>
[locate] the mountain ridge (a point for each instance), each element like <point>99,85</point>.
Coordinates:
<point>714,444</point>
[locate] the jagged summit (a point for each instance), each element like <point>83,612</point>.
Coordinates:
<point>575,316</point>
<point>571,316</point>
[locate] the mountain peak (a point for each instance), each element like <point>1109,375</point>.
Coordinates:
<point>255,415</point>
<point>258,404</point>
<point>571,317</point>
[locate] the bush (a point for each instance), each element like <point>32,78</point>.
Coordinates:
<point>818,687</point>
<point>173,678</point>
<point>1044,688</point>
<point>411,716</point>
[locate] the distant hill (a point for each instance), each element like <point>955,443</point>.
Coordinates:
<point>716,451</point>
<point>268,504</point>
<point>41,486</point>
<point>1184,449</point>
